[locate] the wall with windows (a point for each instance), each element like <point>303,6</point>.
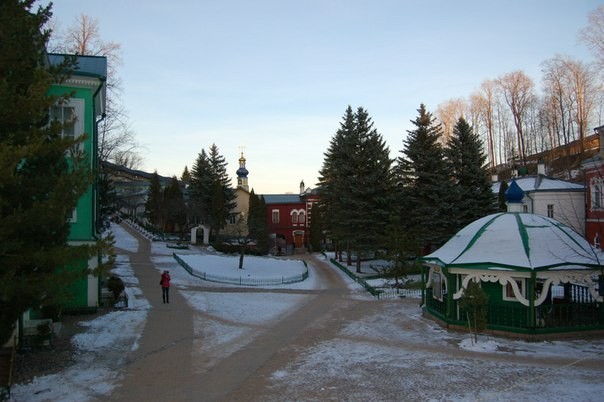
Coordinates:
<point>594,208</point>
<point>78,109</point>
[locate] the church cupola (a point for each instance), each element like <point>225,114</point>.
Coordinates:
<point>242,173</point>
<point>302,187</point>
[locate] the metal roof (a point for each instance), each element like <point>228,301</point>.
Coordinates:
<point>282,199</point>
<point>86,65</point>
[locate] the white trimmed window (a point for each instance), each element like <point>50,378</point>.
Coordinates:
<point>508,291</point>
<point>275,215</point>
<point>437,286</point>
<point>71,115</point>
<point>596,188</point>
<point>302,217</point>
<point>294,217</point>
<point>74,216</point>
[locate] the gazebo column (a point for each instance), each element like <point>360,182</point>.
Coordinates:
<point>531,298</point>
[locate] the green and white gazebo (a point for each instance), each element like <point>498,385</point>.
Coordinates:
<point>541,277</point>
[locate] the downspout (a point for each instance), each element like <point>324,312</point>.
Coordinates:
<point>95,165</point>
<point>95,158</point>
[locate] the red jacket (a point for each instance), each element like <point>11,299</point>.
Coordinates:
<point>165,280</point>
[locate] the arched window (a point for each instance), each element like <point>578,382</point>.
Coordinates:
<point>294,217</point>
<point>302,217</point>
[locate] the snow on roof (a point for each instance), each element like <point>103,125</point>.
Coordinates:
<point>518,241</point>
<point>542,183</point>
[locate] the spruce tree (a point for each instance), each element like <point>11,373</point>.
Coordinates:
<point>209,176</point>
<point>425,186</point>
<point>333,178</point>
<point>370,188</point>
<point>154,207</point>
<point>257,223</point>
<point>466,158</point>
<point>223,194</point>
<point>200,190</point>
<point>42,174</point>
<point>356,185</point>
<point>316,228</point>
<point>174,207</point>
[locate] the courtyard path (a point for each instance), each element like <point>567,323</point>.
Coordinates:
<point>171,363</point>
<point>165,367</point>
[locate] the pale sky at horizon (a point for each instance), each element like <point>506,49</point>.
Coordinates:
<point>275,77</point>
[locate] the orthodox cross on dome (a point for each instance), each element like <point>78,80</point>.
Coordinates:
<point>242,172</point>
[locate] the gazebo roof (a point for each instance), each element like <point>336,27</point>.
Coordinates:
<point>519,242</point>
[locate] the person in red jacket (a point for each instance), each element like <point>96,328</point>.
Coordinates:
<point>165,286</point>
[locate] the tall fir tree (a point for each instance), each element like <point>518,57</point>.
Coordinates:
<point>208,177</point>
<point>333,183</point>
<point>154,207</point>
<point>257,223</point>
<point>222,203</point>
<point>200,190</point>
<point>466,158</point>
<point>316,228</point>
<point>356,185</point>
<point>175,209</point>
<point>42,174</point>
<point>426,189</point>
<point>371,188</point>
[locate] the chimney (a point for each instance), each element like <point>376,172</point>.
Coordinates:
<point>541,167</point>
<point>302,187</point>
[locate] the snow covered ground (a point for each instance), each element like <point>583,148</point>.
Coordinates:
<point>391,354</point>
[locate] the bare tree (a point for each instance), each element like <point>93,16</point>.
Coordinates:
<point>593,35</point>
<point>518,91</point>
<point>483,103</point>
<point>448,113</point>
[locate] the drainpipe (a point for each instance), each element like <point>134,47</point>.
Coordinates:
<point>95,165</point>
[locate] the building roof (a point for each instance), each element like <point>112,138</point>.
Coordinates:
<point>541,183</point>
<point>282,199</point>
<point>519,242</point>
<point>95,66</point>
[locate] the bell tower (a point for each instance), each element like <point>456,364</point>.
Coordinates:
<point>242,173</point>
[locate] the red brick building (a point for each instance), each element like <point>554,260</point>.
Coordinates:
<point>289,217</point>
<point>593,169</point>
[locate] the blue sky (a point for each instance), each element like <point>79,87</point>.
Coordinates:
<point>275,77</point>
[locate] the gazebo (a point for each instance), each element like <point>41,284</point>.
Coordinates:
<point>540,276</point>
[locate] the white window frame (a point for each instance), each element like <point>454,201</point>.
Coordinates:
<point>508,291</point>
<point>596,193</point>
<point>550,211</point>
<point>275,216</point>
<point>438,289</point>
<point>78,116</point>
<point>74,216</point>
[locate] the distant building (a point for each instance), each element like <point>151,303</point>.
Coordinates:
<point>554,198</point>
<point>593,170</point>
<point>289,218</point>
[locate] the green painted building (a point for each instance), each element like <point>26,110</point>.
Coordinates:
<point>83,112</point>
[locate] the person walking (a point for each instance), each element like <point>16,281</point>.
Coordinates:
<point>165,286</point>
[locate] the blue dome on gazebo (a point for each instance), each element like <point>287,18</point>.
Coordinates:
<point>514,193</point>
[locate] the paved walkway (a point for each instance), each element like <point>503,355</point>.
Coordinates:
<point>165,367</point>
